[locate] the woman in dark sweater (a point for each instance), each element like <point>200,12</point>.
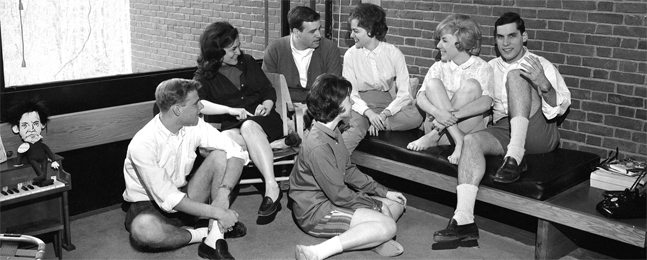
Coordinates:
<point>241,98</point>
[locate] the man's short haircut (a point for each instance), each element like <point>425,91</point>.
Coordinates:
<point>300,14</point>
<point>326,96</point>
<point>174,91</point>
<point>370,17</point>
<point>22,106</point>
<point>510,17</point>
<point>466,30</point>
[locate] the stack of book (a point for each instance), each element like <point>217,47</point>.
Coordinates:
<point>619,175</point>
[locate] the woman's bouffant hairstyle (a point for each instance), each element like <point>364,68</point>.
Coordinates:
<point>326,96</point>
<point>370,17</point>
<point>466,30</point>
<point>214,40</point>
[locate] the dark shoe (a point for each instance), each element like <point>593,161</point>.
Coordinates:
<point>292,139</point>
<point>509,171</point>
<point>221,251</point>
<point>269,207</point>
<point>455,232</point>
<point>239,230</point>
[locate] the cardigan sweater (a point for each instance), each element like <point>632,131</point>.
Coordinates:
<point>255,88</point>
<point>278,59</point>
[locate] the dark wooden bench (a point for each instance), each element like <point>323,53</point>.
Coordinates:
<point>539,192</point>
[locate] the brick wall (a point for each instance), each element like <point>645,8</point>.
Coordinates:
<point>598,46</point>
<point>165,33</point>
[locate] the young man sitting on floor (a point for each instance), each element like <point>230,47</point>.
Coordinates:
<point>163,199</point>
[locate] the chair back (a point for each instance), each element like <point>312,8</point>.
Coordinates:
<point>283,100</point>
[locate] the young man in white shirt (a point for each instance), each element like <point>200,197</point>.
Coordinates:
<point>162,197</point>
<point>529,93</point>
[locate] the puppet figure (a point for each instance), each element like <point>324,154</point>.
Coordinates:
<point>28,118</point>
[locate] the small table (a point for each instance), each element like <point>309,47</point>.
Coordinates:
<point>575,208</point>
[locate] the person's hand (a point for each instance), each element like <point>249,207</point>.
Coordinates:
<point>239,113</point>
<point>438,126</point>
<point>261,110</point>
<point>376,120</point>
<point>397,197</point>
<point>372,130</point>
<point>55,165</point>
<point>227,221</point>
<point>446,118</point>
<point>534,72</point>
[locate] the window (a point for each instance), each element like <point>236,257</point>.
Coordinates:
<point>46,41</point>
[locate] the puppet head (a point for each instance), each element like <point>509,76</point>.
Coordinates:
<point>28,118</point>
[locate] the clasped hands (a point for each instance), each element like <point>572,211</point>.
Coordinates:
<point>377,121</point>
<point>227,221</point>
<point>445,118</point>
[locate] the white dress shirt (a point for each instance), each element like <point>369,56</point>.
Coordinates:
<point>501,69</point>
<point>381,69</point>
<point>302,60</point>
<point>158,161</point>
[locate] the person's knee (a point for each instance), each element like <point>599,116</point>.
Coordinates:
<point>434,85</point>
<point>250,127</point>
<point>514,79</point>
<point>388,227</point>
<point>216,158</point>
<point>143,230</point>
<point>472,87</point>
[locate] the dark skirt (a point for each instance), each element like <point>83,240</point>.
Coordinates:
<point>272,124</point>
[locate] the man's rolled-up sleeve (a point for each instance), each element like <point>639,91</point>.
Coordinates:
<point>212,139</point>
<point>563,95</point>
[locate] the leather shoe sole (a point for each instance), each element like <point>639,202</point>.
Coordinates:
<point>455,232</point>
<point>269,207</point>
<point>239,230</point>
<point>509,171</point>
<point>220,252</point>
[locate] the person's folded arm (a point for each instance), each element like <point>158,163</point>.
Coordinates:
<point>330,179</point>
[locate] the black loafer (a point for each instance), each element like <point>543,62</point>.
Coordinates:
<point>239,230</point>
<point>292,139</point>
<point>509,171</point>
<point>221,251</point>
<point>455,232</point>
<point>269,207</point>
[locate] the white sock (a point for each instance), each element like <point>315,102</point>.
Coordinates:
<point>327,248</point>
<point>214,235</point>
<point>197,234</point>
<point>466,197</point>
<point>518,131</point>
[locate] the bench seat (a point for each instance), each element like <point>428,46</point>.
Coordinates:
<point>548,174</point>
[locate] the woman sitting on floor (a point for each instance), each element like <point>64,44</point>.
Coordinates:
<point>329,193</point>
<point>235,80</point>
